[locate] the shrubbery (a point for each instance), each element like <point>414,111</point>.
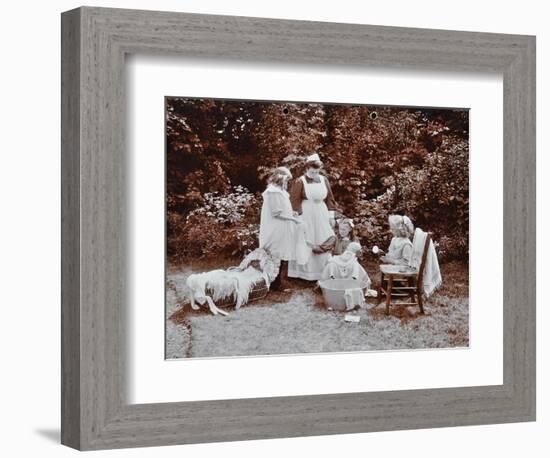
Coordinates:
<point>223,225</point>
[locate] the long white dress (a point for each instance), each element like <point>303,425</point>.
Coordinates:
<point>316,217</point>
<point>278,236</point>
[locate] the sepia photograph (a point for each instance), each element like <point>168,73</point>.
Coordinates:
<point>301,228</point>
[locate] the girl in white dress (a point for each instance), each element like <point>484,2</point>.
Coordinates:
<point>278,225</point>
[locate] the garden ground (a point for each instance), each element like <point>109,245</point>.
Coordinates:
<point>296,320</point>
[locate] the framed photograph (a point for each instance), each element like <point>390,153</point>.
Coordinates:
<point>277,228</point>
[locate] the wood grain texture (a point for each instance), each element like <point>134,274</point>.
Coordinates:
<point>70,229</point>
<point>95,410</point>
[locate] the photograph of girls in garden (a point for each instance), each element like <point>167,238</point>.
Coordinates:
<point>295,228</point>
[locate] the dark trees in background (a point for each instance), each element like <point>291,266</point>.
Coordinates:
<point>380,160</point>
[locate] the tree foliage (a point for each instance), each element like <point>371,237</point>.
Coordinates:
<point>379,160</point>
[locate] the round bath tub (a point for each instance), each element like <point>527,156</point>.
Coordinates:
<point>334,291</point>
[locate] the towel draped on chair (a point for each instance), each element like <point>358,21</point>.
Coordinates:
<point>432,274</point>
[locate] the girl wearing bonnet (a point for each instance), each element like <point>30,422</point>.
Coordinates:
<point>400,249</point>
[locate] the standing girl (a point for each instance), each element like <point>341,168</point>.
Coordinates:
<point>278,224</point>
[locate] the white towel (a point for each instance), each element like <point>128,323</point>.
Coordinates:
<point>245,282</point>
<point>354,297</point>
<point>197,284</point>
<point>432,275</point>
<point>269,265</point>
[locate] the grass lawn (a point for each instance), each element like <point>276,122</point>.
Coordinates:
<point>297,321</point>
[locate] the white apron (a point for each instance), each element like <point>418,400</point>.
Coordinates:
<point>316,217</point>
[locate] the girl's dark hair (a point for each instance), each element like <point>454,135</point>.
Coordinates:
<point>351,234</point>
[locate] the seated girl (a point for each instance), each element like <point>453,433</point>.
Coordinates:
<point>344,235</point>
<point>346,266</point>
<point>400,249</point>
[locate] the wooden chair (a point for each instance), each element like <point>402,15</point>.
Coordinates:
<point>403,283</point>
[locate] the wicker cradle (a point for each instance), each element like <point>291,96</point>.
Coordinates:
<point>258,291</point>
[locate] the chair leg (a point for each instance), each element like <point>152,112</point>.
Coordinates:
<point>411,284</point>
<point>420,300</point>
<point>379,295</point>
<point>388,294</point>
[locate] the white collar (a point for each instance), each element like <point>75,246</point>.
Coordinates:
<point>272,188</point>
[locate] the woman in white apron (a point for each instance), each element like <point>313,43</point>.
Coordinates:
<point>312,197</point>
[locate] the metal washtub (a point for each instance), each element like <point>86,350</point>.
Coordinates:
<point>334,290</point>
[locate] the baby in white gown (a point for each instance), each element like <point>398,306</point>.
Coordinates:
<point>346,266</point>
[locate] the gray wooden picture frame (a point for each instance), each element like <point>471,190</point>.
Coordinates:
<point>95,411</point>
